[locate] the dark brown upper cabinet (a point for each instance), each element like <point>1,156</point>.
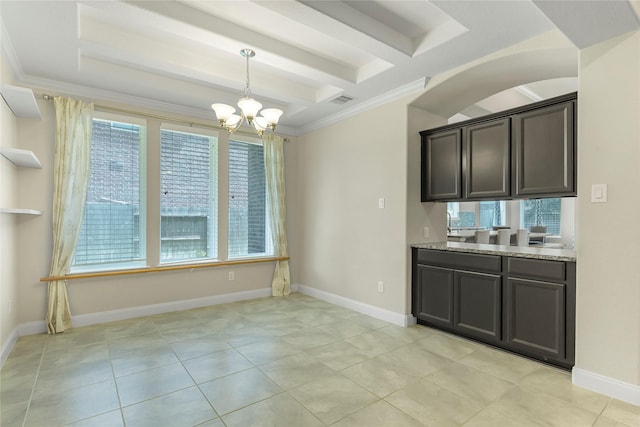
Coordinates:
<point>487,152</point>
<point>526,152</point>
<point>442,166</point>
<point>544,145</point>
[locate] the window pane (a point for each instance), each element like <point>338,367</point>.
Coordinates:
<point>188,227</point>
<point>113,225</point>
<point>462,214</point>
<point>492,213</point>
<point>249,231</point>
<point>541,212</point>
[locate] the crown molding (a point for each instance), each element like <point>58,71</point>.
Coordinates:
<point>393,95</point>
<point>9,52</point>
<point>97,95</point>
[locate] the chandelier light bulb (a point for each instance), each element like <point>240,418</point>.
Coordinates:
<point>272,115</point>
<point>260,124</point>
<point>223,112</point>
<point>250,108</point>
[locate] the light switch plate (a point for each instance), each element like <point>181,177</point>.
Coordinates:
<point>599,193</point>
<point>381,203</point>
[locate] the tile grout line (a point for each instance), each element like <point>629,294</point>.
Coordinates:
<point>159,330</point>
<point>113,374</point>
<point>33,387</point>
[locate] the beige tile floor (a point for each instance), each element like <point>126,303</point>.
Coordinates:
<point>291,362</point>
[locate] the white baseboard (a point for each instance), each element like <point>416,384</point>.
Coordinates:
<point>8,346</point>
<point>147,310</point>
<point>370,310</point>
<point>620,390</point>
<point>31,328</point>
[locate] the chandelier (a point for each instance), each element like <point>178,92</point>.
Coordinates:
<point>249,109</point>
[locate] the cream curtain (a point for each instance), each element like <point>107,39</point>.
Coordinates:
<point>70,181</point>
<point>274,167</point>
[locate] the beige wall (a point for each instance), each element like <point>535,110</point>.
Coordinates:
<point>89,296</point>
<point>608,324</point>
<point>345,243</point>
<point>8,224</point>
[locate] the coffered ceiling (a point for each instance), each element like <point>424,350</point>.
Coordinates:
<point>181,56</point>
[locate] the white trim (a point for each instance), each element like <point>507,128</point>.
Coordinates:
<point>71,89</point>
<point>608,386</point>
<point>9,51</point>
<point>80,320</point>
<point>32,328</point>
<point>147,310</point>
<point>8,346</point>
<point>92,94</point>
<point>370,310</point>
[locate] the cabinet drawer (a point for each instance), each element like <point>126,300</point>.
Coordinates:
<point>460,261</point>
<point>537,268</point>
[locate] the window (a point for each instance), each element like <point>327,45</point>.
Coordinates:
<point>541,212</point>
<point>188,199</point>
<point>249,230</point>
<point>179,202</point>
<point>477,214</point>
<point>113,227</point>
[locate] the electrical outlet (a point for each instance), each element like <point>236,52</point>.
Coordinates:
<point>425,232</point>
<point>232,275</point>
<point>381,287</point>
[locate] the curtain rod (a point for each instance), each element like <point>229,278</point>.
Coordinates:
<point>159,117</point>
<point>162,268</point>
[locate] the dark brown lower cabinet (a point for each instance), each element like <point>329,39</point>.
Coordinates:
<point>536,317</point>
<point>523,305</point>
<point>477,304</point>
<point>435,294</point>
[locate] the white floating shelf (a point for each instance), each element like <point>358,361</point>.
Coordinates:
<point>21,101</point>
<point>20,211</point>
<point>24,158</point>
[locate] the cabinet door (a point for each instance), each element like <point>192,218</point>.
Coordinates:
<point>536,317</point>
<point>441,165</point>
<point>435,294</point>
<point>544,143</point>
<point>477,300</point>
<point>487,148</point>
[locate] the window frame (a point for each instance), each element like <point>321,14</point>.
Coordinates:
<point>213,240</point>
<point>268,232</point>
<point>142,207</point>
<point>150,189</point>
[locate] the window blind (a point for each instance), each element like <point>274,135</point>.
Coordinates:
<point>249,231</point>
<point>188,196</point>
<point>112,227</point>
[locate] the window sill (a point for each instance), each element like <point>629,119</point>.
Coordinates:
<point>163,268</point>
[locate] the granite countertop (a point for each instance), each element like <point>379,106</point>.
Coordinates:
<point>504,250</point>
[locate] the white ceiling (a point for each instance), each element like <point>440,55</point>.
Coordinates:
<point>181,56</point>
